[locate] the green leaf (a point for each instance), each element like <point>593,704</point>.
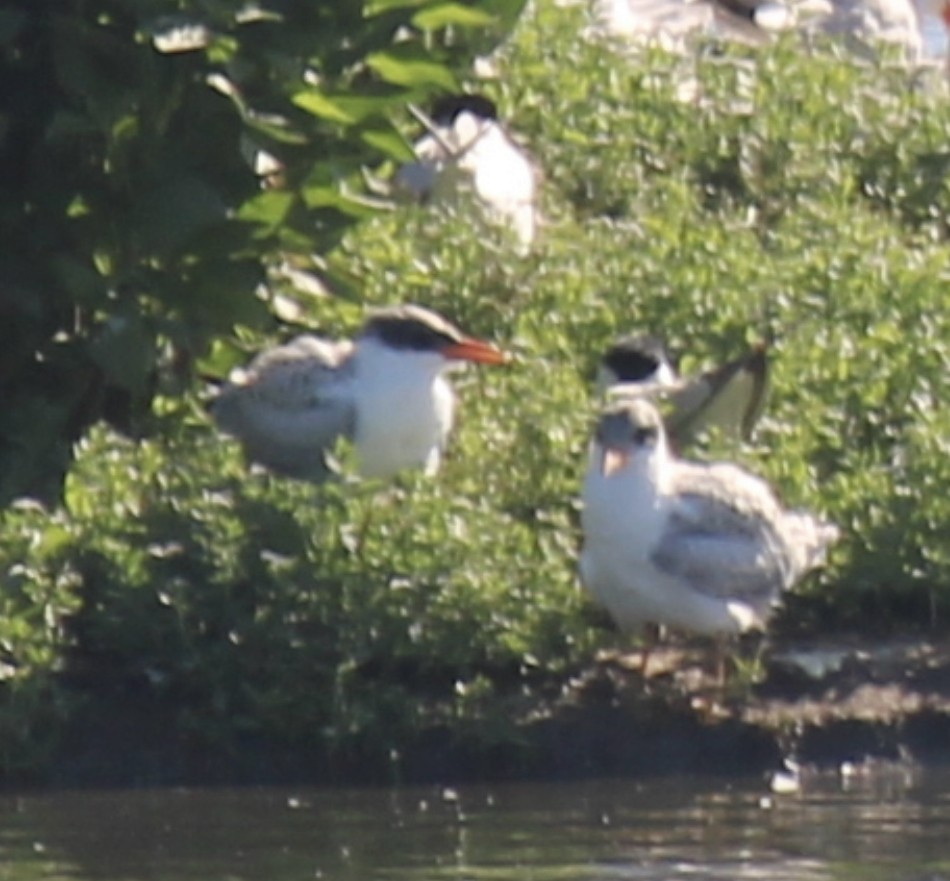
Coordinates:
<point>80,279</point>
<point>125,352</point>
<point>319,104</point>
<point>166,216</point>
<point>377,7</point>
<point>446,14</point>
<point>276,131</point>
<point>412,67</point>
<point>347,109</point>
<point>390,142</point>
<point>330,196</point>
<point>269,208</point>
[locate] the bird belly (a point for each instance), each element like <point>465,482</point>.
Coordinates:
<point>616,591</point>
<point>635,593</point>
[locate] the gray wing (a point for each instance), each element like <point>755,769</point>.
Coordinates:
<point>723,545</point>
<point>729,398</point>
<point>290,406</point>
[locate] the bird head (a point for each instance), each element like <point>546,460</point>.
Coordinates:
<point>636,359</point>
<point>422,332</point>
<point>628,431</point>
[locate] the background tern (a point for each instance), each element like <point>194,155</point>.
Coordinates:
<point>467,147</point>
<point>729,398</point>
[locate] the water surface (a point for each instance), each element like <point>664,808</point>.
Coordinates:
<point>895,825</point>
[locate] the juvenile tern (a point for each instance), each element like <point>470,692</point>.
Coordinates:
<point>704,548</point>
<point>386,391</point>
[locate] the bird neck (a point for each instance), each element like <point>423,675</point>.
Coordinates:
<point>469,129</point>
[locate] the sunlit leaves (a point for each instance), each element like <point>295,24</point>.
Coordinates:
<point>410,66</point>
<point>269,208</point>
<point>445,14</point>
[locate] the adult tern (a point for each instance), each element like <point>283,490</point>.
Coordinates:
<point>729,398</point>
<point>467,147</point>
<point>386,391</point>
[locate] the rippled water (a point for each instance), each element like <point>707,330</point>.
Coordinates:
<point>894,825</point>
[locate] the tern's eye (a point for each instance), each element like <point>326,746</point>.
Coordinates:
<point>643,436</point>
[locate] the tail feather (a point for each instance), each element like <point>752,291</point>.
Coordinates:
<point>809,538</point>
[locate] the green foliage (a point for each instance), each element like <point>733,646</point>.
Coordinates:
<point>40,580</point>
<point>797,196</point>
<point>136,230</point>
<point>347,614</point>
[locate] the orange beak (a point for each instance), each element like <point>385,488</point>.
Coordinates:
<point>470,349</point>
<point>613,461</point>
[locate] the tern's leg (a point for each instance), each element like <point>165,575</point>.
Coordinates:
<point>652,634</point>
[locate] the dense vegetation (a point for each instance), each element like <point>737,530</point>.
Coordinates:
<point>799,196</point>
<point>135,224</point>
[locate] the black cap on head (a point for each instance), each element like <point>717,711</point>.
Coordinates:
<point>445,110</point>
<point>412,328</point>
<point>635,358</point>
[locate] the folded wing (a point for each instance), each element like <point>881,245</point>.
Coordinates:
<point>289,406</point>
<point>727,545</point>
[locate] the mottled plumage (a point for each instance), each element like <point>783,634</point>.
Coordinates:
<point>386,392</point>
<point>703,548</point>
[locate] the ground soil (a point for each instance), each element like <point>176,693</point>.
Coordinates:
<point>833,703</point>
<point>826,704</point>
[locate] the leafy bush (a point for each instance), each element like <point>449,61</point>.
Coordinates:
<point>343,613</point>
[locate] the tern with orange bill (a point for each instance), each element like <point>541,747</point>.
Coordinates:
<point>386,391</point>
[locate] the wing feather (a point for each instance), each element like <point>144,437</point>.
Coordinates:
<point>290,405</point>
<point>730,397</point>
<point>722,537</point>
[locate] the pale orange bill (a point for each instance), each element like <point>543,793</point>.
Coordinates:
<point>613,461</point>
<point>471,349</point>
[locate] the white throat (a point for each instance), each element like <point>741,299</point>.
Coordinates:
<point>404,408</point>
<point>636,492</point>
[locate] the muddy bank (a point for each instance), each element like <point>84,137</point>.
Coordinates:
<point>826,705</point>
<point>822,704</point>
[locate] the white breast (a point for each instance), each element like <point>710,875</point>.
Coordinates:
<point>404,411</point>
<point>622,520</point>
<point>503,179</point>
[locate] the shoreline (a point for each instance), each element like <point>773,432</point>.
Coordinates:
<point>825,705</point>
